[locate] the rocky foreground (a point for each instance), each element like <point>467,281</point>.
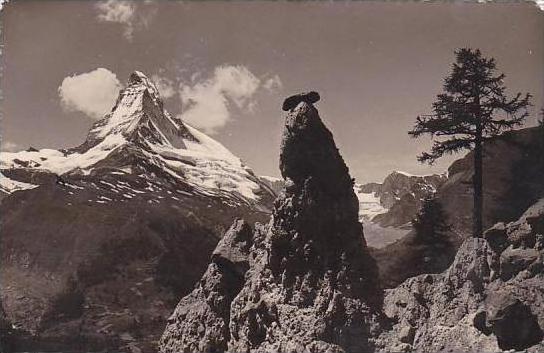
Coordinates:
<point>490,299</point>
<point>305,282</point>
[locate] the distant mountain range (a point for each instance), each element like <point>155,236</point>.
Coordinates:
<point>395,202</point>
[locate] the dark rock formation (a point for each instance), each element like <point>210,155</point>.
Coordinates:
<point>311,284</point>
<point>307,97</point>
<point>317,269</point>
<point>6,332</point>
<point>511,321</point>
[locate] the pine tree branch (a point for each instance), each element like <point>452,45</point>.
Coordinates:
<point>440,148</point>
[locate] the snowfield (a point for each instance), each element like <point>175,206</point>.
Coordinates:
<point>8,185</point>
<point>369,204</point>
<point>375,235</point>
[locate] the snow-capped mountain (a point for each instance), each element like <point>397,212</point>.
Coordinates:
<point>118,227</point>
<point>139,137</point>
<point>396,201</point>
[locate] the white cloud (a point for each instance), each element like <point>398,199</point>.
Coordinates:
<point>118,11</point>
<point>2,3</point>
<point>164,85</point>
<point>539,3</point>
<point>130,14</point>
<point>206,103</point>
<point>273,83</point>
<point>8,146</point>
<point>93,93</point>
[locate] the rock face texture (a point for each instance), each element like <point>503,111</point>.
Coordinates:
<point>490,298</point>
<point>6,332</point>
<point>513,180</point>
<point>310,284</point>
<point>200,322</point>
<point>99,241</point>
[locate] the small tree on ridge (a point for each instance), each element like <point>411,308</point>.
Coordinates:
<point>473,108</point>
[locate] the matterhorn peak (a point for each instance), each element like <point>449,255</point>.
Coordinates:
<point>139,116</point>
<point>140,80</point>
<point>137,77</point>
<point>138,136</point>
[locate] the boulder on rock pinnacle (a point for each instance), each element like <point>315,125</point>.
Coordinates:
<point>307,97</point>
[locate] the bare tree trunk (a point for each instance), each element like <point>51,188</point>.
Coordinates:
<point>477,182</point>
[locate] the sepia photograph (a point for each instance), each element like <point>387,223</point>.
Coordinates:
<point>271,176</point>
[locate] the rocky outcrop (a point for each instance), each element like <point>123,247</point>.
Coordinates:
<point>513,170</point>
<point>488,300</point>
<point>200,322</point>
<point>510,320</point>
<point>311,284</point>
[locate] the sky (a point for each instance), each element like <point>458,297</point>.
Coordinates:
<point>225,67</point>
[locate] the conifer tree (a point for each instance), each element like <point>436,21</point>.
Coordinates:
<point>473,108</point>
<point>430,224</point>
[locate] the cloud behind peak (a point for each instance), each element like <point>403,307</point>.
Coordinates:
<point>93,93</point>
<point>207,103</point>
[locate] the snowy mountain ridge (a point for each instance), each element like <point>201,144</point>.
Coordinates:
<point>387,208</point>
<point>137,136</point>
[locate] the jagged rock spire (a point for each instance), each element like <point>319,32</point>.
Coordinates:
<point>315,226</point>
<point>311,282</point>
